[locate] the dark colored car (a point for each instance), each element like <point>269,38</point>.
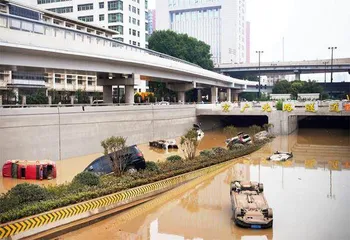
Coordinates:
<point>103,165</point>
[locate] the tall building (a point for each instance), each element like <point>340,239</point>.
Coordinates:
<point>127,17</point>
<point>219,23</point>
<point>247,38</point>
<point>151,21</point>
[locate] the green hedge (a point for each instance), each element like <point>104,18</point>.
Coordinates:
<point>86,178</point>
<point>71,193</point>
<point>174,158</point>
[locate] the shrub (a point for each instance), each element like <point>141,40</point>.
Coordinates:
<point>151,166</point>
<point>279,105</point>
<point>25,193</point>
<point>268,126</point>
<point>230,131</point>
<point>116,147</point>
<point>189,143</point>
<point>174,158</point>
<point>254,129</point>
<point>206,153</point>
<point>219,151</point>
<point>86,178</point>
<point>236,146</point>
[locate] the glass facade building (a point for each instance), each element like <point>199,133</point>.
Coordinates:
<point>219,23</point>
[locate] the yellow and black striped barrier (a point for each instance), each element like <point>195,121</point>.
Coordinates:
<point>44,220</point>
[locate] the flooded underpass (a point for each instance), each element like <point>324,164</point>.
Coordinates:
<point>309,195</point>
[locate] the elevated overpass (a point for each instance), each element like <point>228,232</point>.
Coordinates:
<point>285,68</point>
<point>27,45</point>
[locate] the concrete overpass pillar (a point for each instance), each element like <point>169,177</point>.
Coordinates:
<point>222,97</point>
<point>16,92</point>
<point>129,94</point>
<point>107,94</point>
<point>297,76</point>
<point>181,89</point>
<point>24,100</point>
<point>235,96</point>
<point>214,94</point>
<point>72,99</point>
<point>181,96</point>
<point>228,93</point>
<point>199,95</point>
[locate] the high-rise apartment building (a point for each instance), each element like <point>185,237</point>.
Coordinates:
<point>127,17</point>
<point>247,38</point>
<point>219,23</point>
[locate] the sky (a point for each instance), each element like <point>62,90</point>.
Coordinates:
<point>308,27</point>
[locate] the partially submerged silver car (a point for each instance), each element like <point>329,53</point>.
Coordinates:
<point>249,206</point>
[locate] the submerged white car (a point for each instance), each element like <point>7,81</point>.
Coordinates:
<point>200,133</point>
<point>280,156</point>
<point>241,138</point>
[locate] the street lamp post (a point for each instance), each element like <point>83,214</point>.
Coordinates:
<point>332,48</point>
<point>259,52</point>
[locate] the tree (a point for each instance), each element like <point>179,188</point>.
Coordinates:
<point>159,89</point>
<point>82,96</point>
<point>296,87</point>
<point>181,46</point>
<point>282,87</point>
<point>115,149</point>
<point>254,129</point>
<point>189,144</point>
<point>311,87</point>
<point>230,131</point>
<point>39,97</point>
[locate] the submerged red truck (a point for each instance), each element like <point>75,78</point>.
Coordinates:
<point>24,169</point>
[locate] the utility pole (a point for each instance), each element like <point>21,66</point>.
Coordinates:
<point>332,48</point>
<point>259,52</point>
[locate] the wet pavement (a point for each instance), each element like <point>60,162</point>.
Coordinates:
<point>309,195</point>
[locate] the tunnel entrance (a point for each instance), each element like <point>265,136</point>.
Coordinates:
<point>331,122</point>
<point>213,122</point>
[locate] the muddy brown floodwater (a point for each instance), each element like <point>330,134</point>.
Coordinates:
<point>68,168</point>
<point>309,195</point>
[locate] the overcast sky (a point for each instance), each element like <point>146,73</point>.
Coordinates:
<point>309,27</point>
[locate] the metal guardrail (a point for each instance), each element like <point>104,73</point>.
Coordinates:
<point>204,105</point>
<point>43,28</point>
<point>91,105</point>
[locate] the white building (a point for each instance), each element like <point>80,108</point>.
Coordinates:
<point>127,17</point>
<point>219,23</point>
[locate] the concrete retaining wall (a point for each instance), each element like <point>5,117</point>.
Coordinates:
<point>65,132</point>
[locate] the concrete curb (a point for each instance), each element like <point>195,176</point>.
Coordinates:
<point>34,225</point>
